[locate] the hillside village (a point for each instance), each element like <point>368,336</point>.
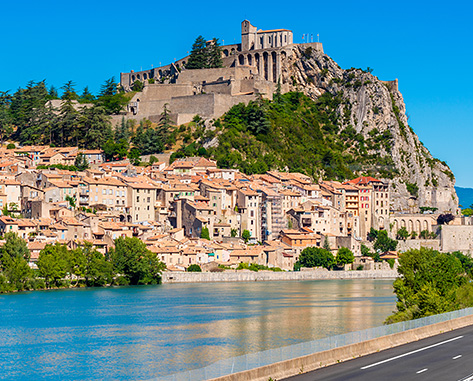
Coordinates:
<point>170,206</point>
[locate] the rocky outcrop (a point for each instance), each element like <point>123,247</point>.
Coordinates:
<point>376,110</point>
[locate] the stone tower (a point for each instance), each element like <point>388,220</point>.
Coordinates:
<point>248,36</point>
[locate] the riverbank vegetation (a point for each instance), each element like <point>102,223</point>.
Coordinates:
<point>128,263</point>
<point>431,283</point>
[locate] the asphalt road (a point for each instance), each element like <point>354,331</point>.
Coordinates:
<point>444,357</point>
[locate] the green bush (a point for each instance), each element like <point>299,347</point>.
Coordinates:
<point>194,268</point>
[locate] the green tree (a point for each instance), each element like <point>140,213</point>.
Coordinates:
<point>94,127</point>
<point>316,257</point>
<point>467,212</point>
<point>344,256</point>
<point>115,150</point>
<point>429,283</point>
<point>194,268</point>
<point>246,235</point>
<point>14,257</point>
<point>54,264</point>
<point>92,266</point>
<point>233,232</point>
<point>135,262</point>
<point>86,96</point>
<point>402,233</point>
<point>69,92</point>
<point>214,52</point>
<point>138,86</point>
<point>81,162</point>
<point>205,233</point>
<point>198,59</point>
<point>384,243</point>
<point>71,201</point>
<point>6,120</point>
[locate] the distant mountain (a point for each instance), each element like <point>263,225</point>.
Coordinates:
<point>465,196</point>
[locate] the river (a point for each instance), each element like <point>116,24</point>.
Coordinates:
<point>151,331</point>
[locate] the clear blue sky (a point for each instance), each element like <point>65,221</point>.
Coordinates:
<point>426,45</point>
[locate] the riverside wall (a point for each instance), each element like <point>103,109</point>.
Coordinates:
<point>252,276</point>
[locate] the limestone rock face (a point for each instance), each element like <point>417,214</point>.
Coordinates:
<point>376,110</point>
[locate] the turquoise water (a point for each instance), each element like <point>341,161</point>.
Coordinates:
<point>151,331</point>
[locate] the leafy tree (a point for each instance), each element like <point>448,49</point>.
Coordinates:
<point>246,235</point>
<point>135,262</point>
<point>81,162</point>
<point>135,156</point>
<point>429,283</point>
<point>138,86</point>
<point>316,257</point>
<point>54,264</point>
<point>384,243</point>
<point>444,219</point>
<point>194,268</point>
<point>467,212</point>
<point>233,232</point>
<point>92,265</point>
<point>71,201</point>
<point>205,233</point>
<point>402,233</point>
<point>14,257</point>
<point>413,235</point>
<point>198,59</point>
<point>344,256</point>
<point>372,235</point>
<point>115,150</point>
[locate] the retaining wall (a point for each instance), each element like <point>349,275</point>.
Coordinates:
<point>318,360</point>
<point>251,276</point>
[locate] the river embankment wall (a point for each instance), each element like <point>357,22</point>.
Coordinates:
<point>261,276</point>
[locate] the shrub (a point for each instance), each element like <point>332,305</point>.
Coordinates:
<point>194,269</point>
<point>11,146</point>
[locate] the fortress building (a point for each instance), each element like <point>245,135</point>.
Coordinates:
<point>252,67</point>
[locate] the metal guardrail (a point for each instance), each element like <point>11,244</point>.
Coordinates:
<point>271,356</point>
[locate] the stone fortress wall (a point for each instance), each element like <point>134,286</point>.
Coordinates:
<point>250,68</point>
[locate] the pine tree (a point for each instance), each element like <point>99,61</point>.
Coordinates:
<point>214,54</point>
<point>69,91</point>
<point>53,93</point>
<point>86,96</point>
<point>198,58</point>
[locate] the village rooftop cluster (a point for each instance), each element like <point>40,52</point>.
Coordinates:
<point>169,206</point>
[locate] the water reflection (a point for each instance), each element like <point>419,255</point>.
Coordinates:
<point>145,332</point>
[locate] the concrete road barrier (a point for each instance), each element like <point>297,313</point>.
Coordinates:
<point>318,360</point>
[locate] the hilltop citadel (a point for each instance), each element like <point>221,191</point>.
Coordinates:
<point>252,67</point>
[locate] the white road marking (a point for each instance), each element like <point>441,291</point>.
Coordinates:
<point>421,371</point>
<point>410,353</point>
<point>467,378</point>
<point>456,357</point>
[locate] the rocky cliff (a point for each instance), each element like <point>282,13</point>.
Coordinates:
<point>376,110</point>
